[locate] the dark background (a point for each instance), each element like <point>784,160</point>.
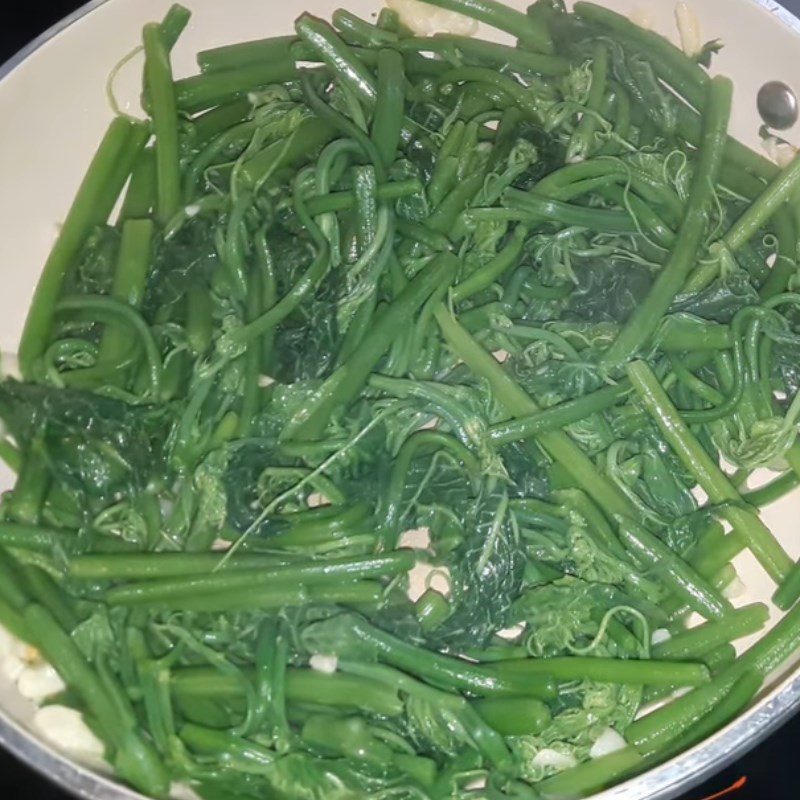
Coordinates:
<point>770,770</point>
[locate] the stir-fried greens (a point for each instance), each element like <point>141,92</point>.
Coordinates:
<point>528,302</point>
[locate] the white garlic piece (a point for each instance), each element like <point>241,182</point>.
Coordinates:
<point>64,727</point>
<point>425,19</point>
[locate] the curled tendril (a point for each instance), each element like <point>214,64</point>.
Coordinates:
<point>68,354</point>
<point>616,473</point>
<point>306,480</point>
<point>112,77</point>
<point>644,651</point>
<point>122,521</point>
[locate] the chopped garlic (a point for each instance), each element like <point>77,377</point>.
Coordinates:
<point>782,153</point>
<point>64,727</point>
<point>425,19</point>
<point>264,381</point>
<point>325,664</point>
<point>552,758</point>
<point>689,29</point>
<point>500,355</point>
<point>785,154</point>
<point>39,682</point>
<point>415,538</point>
<point>660,635</point>
<point>422,577</point>
<point>180,791</point>
<point>609,741</point>
<point>736,588</point>
<point>317,499</point>
<point>15,656</point>
<point>512,633</point>
<point>192,210</point>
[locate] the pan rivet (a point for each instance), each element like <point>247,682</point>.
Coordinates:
<point>777,104</point>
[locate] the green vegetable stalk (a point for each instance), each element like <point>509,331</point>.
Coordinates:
<point>363,452</point>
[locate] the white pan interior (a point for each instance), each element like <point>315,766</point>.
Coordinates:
<point>54,110</point>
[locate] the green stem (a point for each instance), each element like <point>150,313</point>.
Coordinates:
<point>174,23</point>
<point>517,403</point>
<point>158,77</point>
<point>135,759</point>
<point>446,671</point>
<point>707,473</point>
<point>235,56</point>
<point>490,54</point>
<point>93,204</point>
<point>582,140</point>
<point>698,641</point>
<point>340,58</point>
<point>346,200</point>
<point>387,121</point>
<point>517,716</point>
<point>302,686</point>
<point>276,596</point>
<point>130,280</point>
<point>591,776</point>
<point>140,196</point>
<point>200,92</point>
<point>684,332</point>
<point>685,252</point>
<point>500,16</point>
<point>671,64</point>
<point>650,551</point>
<point>559,416</point>
<point>31,487</point>
<point>773,491</point>
<point>507,259</point>
<point>227,581</point>
<point>110,311</point>
<point>149,566</point>
<point>345,383</point>
<point>759,213</point>
<point>607,670</point>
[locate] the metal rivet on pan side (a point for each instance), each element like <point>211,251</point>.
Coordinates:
<point>777,104</point>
